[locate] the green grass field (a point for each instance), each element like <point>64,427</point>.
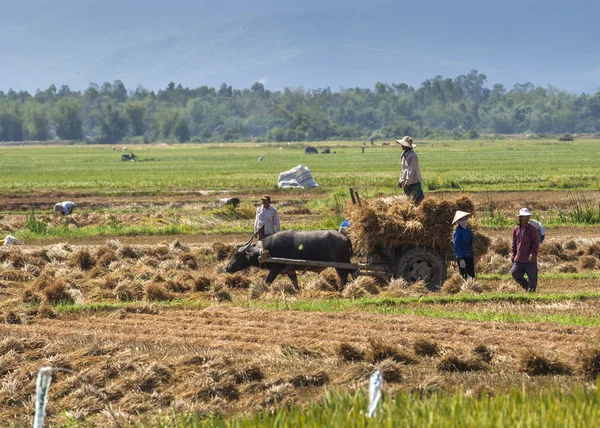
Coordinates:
<point>469,165</point>
<point>551,408</point>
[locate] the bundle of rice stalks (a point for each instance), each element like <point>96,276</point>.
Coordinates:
<point>223,251</point>
<point>426,348</point>
<point>220,293</point>
<point>46,311</point>
<point>292,351</point>
<point>379,351</point>
<point>455,363</point>
<point>236,280</point>
<point>105,256</point>
<point>331,276</point>
<point>368,283</point>
<point>588,262</point>
<point>593,250</point>
<point>57,293</point>
<point>481,242</point>
<point>535,364</point>
<point>471,285</point>
<point>281,287</point>
<point>492,262</point>
<point>157,292</point>
<point>397,285</point>
<point>160,252</point>
<point>16,259</point>
<point>357,373</point>
<point>83,260</point>
<point>429,386</point>
<point>453,285</point>
<point>391,371</point>
<point>128,252</point>
<point>306,381</point>
<point>202,283</point>
<point>258,287</point>
<point>509,287</point>
<point>484,352</point>
<point>589,360</point>
<point>249,374</point>
<point>354,290</point>
<point>12,318</point>
<point>501,246</point>
<point>566,268</point>
<point>177,246</point>
<point>128,290</point>
<point>14,275</point>
<point>349,353</point>
<point>320,283</point>
<point>149,261</point>
<point>188,260</point>
<point>59,252</point>
<point>571,244</point>
<point>177,285</point>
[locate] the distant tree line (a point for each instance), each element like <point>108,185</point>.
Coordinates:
<point>461,107</point>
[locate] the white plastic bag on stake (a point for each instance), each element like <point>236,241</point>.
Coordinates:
<point>42,386</point>
<point>375,384</point>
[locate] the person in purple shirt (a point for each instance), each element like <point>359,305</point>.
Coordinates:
<point>526,242</point>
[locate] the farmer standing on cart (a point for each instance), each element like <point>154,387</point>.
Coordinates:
<point>267,220</point>
<point>410,177</point>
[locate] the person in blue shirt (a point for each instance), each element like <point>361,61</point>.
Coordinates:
<point>463,245</point>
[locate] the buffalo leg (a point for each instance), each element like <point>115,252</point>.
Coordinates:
<point>294,279</point>
<point>273,272</point>
<point>343,274</point>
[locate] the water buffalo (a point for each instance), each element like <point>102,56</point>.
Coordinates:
<point>310,150</point>
<point>316,245</point>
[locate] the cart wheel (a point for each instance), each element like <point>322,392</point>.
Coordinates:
<point>422,264</point>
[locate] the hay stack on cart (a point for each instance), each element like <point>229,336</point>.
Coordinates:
<point>415,241</point>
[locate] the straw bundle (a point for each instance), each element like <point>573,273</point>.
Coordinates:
<point>395,222</point>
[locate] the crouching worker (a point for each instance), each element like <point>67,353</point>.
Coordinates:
<point>526,242</point>
<point>463,245</point>
<point>64,208</point>
<point>267,220</point>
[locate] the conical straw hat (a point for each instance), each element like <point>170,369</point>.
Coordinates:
<point>459,214</point>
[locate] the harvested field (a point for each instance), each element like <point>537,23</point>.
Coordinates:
<point>132,293</point>
<point>227,359</point>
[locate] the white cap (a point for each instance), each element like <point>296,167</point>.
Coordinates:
<point>524,212</point>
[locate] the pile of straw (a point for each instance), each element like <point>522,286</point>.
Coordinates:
<point>395,222</point>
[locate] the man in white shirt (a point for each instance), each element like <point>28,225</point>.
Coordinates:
<point>267,219</point>
<point>410,177</point>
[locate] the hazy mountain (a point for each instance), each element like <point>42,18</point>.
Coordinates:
<point>312,44</point>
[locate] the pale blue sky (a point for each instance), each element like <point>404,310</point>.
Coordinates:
<point>309,43</point>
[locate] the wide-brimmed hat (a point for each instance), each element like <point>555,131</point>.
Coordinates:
<point>524,212</point>
<point>406,142</point>
<point>266,198</point>
<point>460,215</point>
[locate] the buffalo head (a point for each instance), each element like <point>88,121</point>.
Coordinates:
<point>242,258</point>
